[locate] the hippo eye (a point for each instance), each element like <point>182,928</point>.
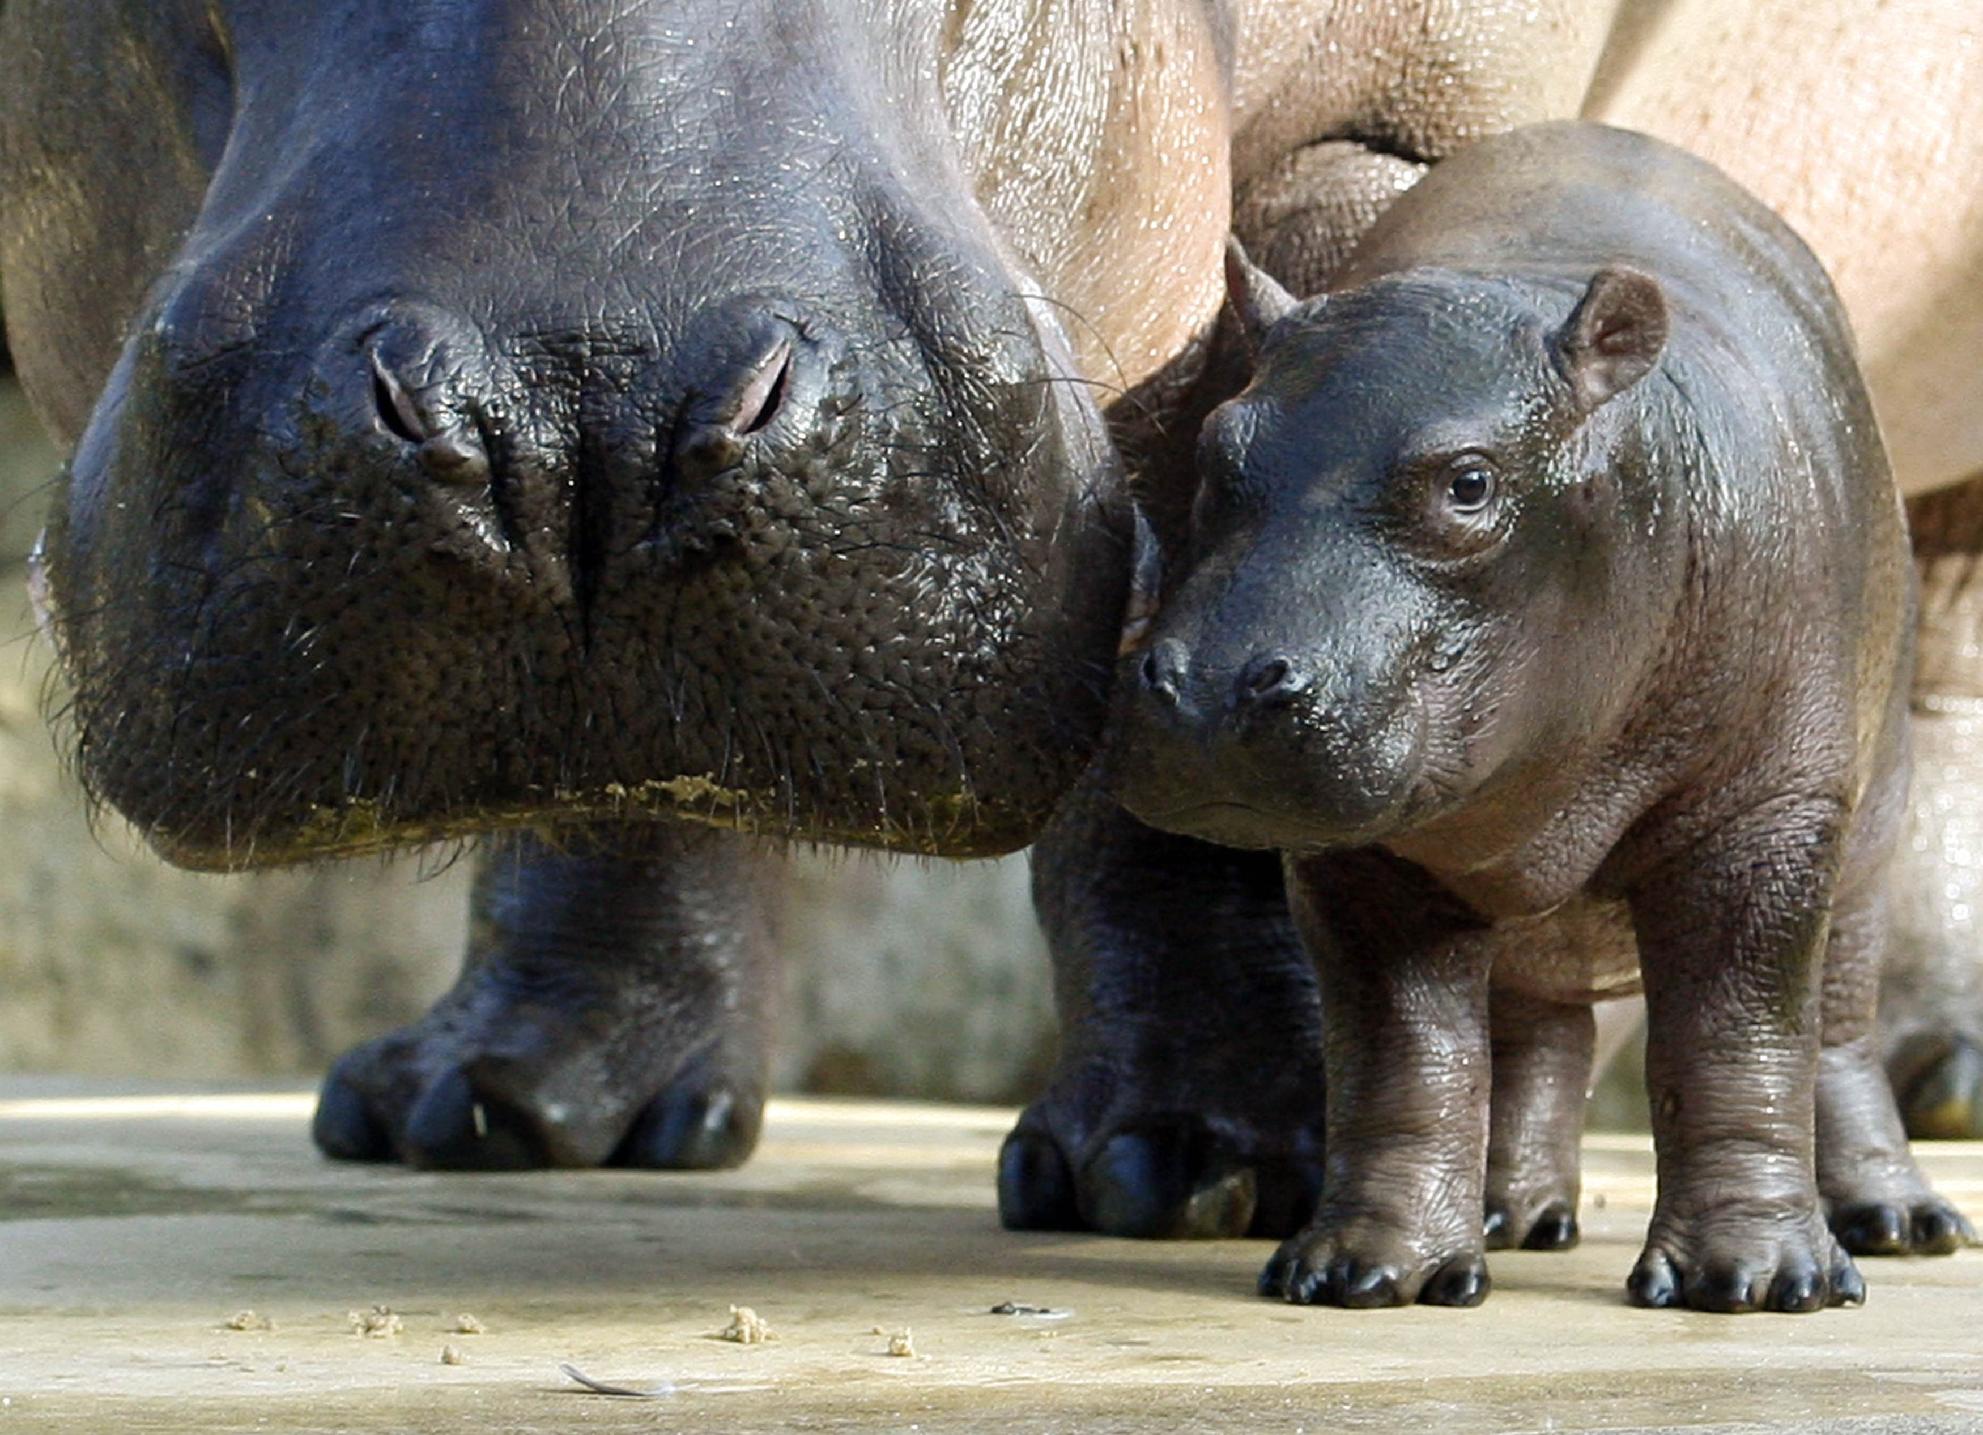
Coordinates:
<point>1470,487</point>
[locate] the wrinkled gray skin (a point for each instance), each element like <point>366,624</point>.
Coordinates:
<point>1546,605</point>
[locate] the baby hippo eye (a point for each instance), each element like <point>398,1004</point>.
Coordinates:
<point>1470,487</point>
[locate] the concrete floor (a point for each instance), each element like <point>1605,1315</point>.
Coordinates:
<point>133,1227</point>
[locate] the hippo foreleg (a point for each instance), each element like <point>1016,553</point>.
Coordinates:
<point>614,1008</point>
<point>1187,1100</point>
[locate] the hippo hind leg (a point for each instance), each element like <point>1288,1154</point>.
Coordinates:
<point>1542,1056</point>
<point>1931,1001</point>
<point>1876,1199</point>
<point>614,1008</point>
<point>1187,1098</point>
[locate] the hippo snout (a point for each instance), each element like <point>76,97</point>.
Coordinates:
<point>515,450</point>
<point>1265,682</point>
<point>1269,750</point>
<point>432,567</point>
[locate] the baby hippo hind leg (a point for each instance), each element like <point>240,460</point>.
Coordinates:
<point>1876,1198</point>
<point>1542,1067</point>
<point>1931,997</point>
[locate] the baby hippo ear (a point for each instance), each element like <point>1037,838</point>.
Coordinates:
<point>1613,337</point>
<point>1256,297</point>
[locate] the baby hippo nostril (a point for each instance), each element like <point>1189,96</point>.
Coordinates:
<point>1270,678</point>
<point>1162,669</point>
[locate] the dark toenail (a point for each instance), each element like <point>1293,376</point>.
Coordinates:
<point>694,1128</point>
<point>1554,1230</point>
<point>344,1127</point>
<point>452,1128</point>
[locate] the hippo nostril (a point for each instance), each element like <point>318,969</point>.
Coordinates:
<point>397,411</point>
<point>1269,678</point>
<point>447,449</point>
<point>455,456</point>
<point>763,392</point>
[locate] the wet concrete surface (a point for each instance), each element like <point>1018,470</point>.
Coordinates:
<point>133,1226</point>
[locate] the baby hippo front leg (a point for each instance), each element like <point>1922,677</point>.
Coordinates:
<point>1404,977</point>
<point>1731,935</point>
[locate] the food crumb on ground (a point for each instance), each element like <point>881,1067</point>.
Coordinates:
<point>379,1322</point>
<point>747,1327</point>
<point>902,1342</point>
<point>248,1320</point>
<point>466,1324</point>
<point>451,1355</point>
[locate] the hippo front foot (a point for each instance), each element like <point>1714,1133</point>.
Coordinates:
<point>1158,1175</point>
<point>1363,1265</point>
<point>502,1090</point>
<point>1763,1262</point>
<point>614,1010</point>
<point>1188,1097</point>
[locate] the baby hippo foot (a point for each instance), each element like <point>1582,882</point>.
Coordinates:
<point>1363,1264</point>
<point>1913,1222</point>
<point>1544,1220</point>
<point>1774,1261</point>
<point>1876,1199</point>
<point>614,1009</point>
<point>1542,1052</point>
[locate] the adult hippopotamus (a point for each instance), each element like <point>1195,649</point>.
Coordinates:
<point>628,423</point>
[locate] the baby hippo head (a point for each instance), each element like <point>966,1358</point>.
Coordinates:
<point>1411,574</point>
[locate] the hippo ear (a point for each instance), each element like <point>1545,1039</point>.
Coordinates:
<point>1254,294</point>
<point>1146,585</point>
<point>1613,337</point>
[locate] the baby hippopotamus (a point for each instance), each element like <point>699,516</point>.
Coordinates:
<point>1546,604</point>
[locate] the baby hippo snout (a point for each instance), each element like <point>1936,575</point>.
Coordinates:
<point>1263,751</point>
<point>1266,681</point>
